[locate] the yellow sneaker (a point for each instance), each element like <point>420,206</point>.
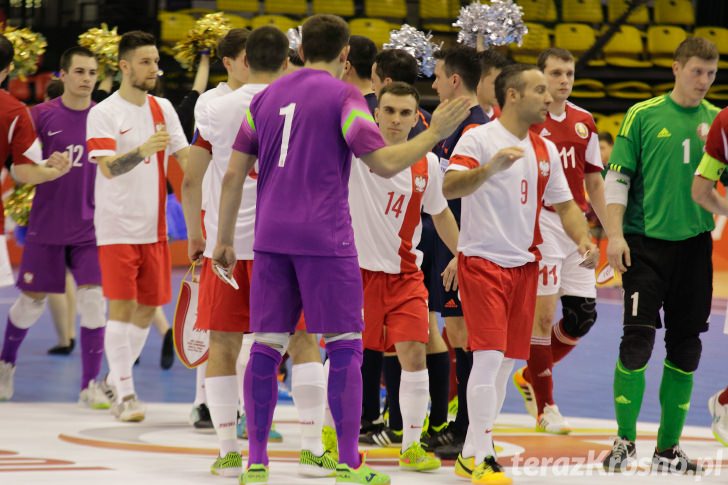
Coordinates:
<point>489,472</point>
<point>416,459</point>
<point>464,466</point>
<point>527,393</point>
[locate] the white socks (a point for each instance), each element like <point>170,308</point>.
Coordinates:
<point>501,382</point>
<point>137,339</point>
<point>240,366</point>
<point>119,355</point>
<point>222,396</point>
<point>414,394</point>
<point>200,394</point>
<point>308,388</point>
<point>482,403</point>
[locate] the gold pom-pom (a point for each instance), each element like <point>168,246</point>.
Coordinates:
<point>208,30</point>
<point>104,43</point>
<point>19,202</point>
<point>29,46</point>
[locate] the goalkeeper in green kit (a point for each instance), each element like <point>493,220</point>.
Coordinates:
<point>660,239</point>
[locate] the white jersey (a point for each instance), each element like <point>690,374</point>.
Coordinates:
<point>131,208</point>
<point>200,114</point>
<point>499,221</point>
<point>386,213</point>
<point>220,126</point>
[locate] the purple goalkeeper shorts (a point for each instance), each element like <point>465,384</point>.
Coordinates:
<point>43,267</point>
<point>327,289</point>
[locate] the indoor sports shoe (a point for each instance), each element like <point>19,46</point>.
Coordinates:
<point>254,474</point>
<point>490,472</point>
<point>7,371</point>
<point>130,410</point>
<point>452,407</point>
<point>230,465</point>
<point>623,451</point>
<point>527,393</point>
<point>551,421</point>
<point>310,465</point>
<point>108,389</point>
<point>94,397</point>
<point>719,413</point>
<point>385,437</point>
<point>455,440</point>
<point>242,432</point>
<point>200,417</point>
<point>330,442</point>
<point>674,460</point>
<point>416,459</point>
<point>464,466</point>
<point>362,475</point>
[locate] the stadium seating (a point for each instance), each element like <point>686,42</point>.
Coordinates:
<point>394,9</point>
<point>615,8</point>
<point>630,90</point>
<point>534,42</point>
<point>662,40</point>
<point>236,21</point>
<point>588,11</point>
<point>625,48</point>
<point>376,29</point>
<point>174,26</point>
<point>438,15</point>
<point>676,12</point>
<point>283,23</point>
<point>718,93</point>
<point>610,124</point>
<point>588,88</point>
<point>344,8</point>
<point>719,36</point>
<point>286,7</point>
<point>576,38</point>
<point>238,5</point>
<point>538,10</point>
<point>662,88</point>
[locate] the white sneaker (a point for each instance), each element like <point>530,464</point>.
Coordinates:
<point>94,397</point>
<point>551,421</point>
<point>7,371</point>
<point>130,410</point>
<point>719,412</point>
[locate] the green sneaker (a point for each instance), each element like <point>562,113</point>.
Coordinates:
<point>452,407</point>
<point>363,475</point>
<point>310,465</point>
<point>230,465</point>
<point>464,466</point>
<point>416,459</point>
<point>254,474</point>
<point>242,431</point>
<point>330,442</point>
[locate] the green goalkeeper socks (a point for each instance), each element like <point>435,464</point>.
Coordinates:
<point>675,391</point>
<point>629,388</point>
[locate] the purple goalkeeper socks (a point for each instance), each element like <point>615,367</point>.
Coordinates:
<point>92,352</point>
<point>14,336</point>
<point>261,393</point>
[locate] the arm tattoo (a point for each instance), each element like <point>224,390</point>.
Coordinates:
<point>125,163</point>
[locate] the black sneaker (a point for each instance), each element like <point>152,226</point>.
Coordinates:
<point>674,460</point>
<point>384,437</point>
<point>63,349</point>
<point>438,437</point>
<point>167,358</point>
<point>452,441</point>
<point>618,459</point>
<point>368,427</point>
<point>200,417</point>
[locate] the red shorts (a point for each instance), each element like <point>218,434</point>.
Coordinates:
<point>220,307</point>
<point>139,272</point>
<point>498,305</point>
<point>395,309</point>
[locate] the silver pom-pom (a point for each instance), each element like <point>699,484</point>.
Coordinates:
<point>500,23</point>
<point>418,44</point>
<point>294,37</point>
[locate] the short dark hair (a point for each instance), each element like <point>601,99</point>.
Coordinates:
<point>398,65</point>
<point>696,47</point>
<point>556,52</point>
<point>511,77</point>
<point>67,56</point>
<point>323,37</point>
<point>606,136</point>
<point>133,40</point>
<point>266,48</point>
<point>361,55</point>
<point>54,88</point>
<point>491,59</point>
<point>463,61</point>
<point>398,88</point>
<point>233,43</point>
<point>7,52</point>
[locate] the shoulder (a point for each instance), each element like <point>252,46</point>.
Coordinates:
<point>109,105</point>
<point>579,114</point>
<point>710,107</point>
<point>10,104</point>
<point>646,107</point>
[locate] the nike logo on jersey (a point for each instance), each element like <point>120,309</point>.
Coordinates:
<point>121,132</point>
<point>54,133</point>
<point>546,373</point>
<point>545,132</point>
<point>664,133</point>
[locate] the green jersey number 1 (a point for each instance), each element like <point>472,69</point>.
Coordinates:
<point>686,150</point>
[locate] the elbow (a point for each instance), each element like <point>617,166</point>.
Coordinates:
<point>448,190</point>
<point>384,171</point>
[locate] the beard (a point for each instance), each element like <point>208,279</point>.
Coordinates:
<point>144,85</point>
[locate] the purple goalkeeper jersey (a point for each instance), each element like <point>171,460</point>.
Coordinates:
<point>63,209</point>
<point>304,128</point>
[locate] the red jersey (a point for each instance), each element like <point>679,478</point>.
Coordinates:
<point>717,143</point>
<point>575,135</point>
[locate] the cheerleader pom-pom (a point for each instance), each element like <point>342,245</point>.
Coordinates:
<point>104,43</point>
<point>418,44</point>
<point>203,37</point>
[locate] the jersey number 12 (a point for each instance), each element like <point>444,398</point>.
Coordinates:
<point>286,111</point>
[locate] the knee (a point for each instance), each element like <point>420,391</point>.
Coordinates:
<point>683,351</point>
<point>303,348</point>
<point>636,347</point>
<point>26,310</point>
<point>224,347</point>
<point>413,357</point>
<point>579,314</point>
<point>91,306</point>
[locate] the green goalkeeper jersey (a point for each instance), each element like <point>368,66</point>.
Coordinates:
<point>659,146</point>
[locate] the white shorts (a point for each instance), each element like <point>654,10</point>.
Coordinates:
<point>559,270</point>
